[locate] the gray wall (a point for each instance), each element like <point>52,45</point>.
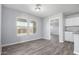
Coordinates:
<point>9,27</point>
<point>0,29</point>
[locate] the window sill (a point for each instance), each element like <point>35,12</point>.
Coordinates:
<point>24,34</point>
<point>21,34</point>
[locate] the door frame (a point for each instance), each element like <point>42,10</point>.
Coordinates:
<point>60,17</point>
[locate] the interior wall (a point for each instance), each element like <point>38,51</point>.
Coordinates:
<point>0,28</point>
<point>9,27</point>
<point>46,26</point>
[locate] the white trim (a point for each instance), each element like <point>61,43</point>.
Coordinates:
<point>60,18</point>
<point>77,53</point>
<point>18,42</point>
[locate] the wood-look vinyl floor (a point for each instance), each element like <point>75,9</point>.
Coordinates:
<point>40,47</point>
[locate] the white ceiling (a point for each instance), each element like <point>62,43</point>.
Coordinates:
<point>46,9</point>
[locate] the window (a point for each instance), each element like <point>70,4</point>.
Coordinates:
<point>25,27</point>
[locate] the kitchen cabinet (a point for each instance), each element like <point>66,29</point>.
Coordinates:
<point>72,21</point>
<point>76,43</point>
<point>69,36</point>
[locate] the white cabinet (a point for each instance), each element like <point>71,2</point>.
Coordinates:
<point>76,43</point>
<point>72,21</point>
<point>69,36</point>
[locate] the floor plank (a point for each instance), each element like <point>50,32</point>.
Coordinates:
<point>40,47</point>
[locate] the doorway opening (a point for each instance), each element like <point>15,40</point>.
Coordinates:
<point>54,29</point>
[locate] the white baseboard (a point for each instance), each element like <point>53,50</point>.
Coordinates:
<point>77,53</point>
<point>18,42</point>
